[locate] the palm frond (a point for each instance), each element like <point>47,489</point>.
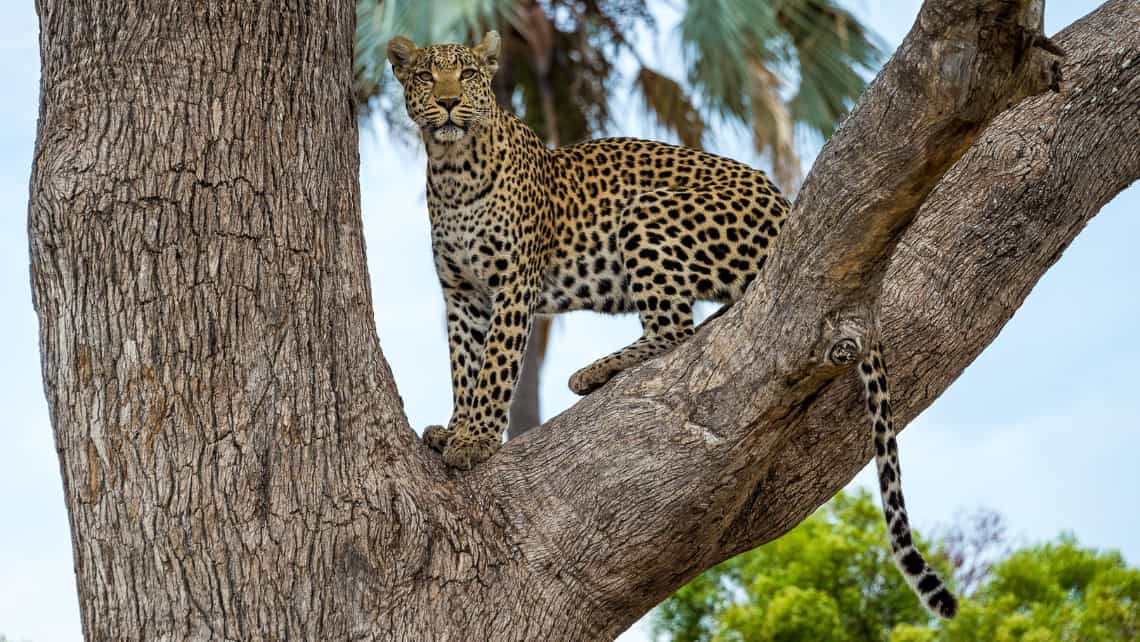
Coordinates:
<point>667,100</point>
<point>773,128</point>
<point>718,37</point>
<point>774,65</point>
<point>834,53</point>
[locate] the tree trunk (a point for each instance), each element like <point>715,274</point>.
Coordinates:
<point>235,458</point>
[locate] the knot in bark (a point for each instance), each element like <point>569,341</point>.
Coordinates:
<point>846,334</point>
<point>844,352</point>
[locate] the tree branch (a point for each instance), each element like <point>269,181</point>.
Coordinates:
<point>1002,215</point>
<point>963,62</point>
<point>733,438</point>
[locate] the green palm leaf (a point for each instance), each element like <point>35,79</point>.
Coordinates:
<point>718,37</point>
<point>834,53</point>
<point>741,56</point>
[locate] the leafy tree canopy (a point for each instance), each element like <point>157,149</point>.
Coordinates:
<point>832,579</point>
<point>1057,591</point>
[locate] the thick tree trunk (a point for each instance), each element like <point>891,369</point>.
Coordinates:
<point>235,457</point>
<point>209,351</point>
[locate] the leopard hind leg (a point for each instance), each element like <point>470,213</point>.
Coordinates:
<point>598,373</point>
<point>659,286</point>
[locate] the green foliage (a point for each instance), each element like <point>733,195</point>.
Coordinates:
<point>742,55</point>
<point>1057,591</point>
<point>912,633</point>
<point>798,614</point>
<point>720,37</point>
<point>832,50</point>
<point>838,561</point>
<point>831,579</point>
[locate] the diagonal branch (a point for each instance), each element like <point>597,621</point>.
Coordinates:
<point>734,437</point>
<point>983,238</point>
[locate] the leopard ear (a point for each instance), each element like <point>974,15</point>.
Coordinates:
<point>402,53</point>
<point>488,51</point>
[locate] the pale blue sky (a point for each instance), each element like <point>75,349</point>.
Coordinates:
<point>1044,427</point>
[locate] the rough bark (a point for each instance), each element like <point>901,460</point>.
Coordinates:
<point>208,345</point>
<point>235,458</point>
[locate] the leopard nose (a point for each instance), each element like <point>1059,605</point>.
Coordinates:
<point>447,103</point>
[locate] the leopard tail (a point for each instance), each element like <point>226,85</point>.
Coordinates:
<point>925,582</point>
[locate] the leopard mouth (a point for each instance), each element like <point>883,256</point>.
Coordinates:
<point>449,132</point>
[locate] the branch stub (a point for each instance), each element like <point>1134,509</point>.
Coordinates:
<point>844,352</point>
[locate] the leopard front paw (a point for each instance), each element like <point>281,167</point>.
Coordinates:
<point>465,449</point>
<point>437,437</point>
<point>589,379</point>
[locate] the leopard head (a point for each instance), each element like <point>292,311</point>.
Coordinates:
<point>447,88</point>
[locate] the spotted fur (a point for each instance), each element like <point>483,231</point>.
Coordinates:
<point>918,573</point>
<point>612,225</point>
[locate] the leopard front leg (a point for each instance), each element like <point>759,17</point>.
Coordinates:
<point>484,412</point>
<point>468,316</point>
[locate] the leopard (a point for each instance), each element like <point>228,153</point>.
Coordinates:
<point>614,225</point>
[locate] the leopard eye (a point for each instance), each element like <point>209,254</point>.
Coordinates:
<point>467,74</point>
<point>424,76</point>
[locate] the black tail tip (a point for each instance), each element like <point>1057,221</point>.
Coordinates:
<point>944,604</point>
